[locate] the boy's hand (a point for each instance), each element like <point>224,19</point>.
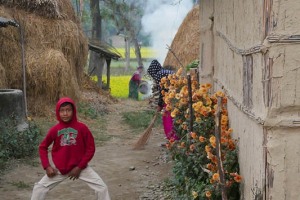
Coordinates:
<point>74,173</point>
<point>51,172</point>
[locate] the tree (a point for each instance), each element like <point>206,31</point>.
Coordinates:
<point>127,17</point>
<point>96,64</point>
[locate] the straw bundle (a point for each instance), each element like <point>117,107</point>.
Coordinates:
<point>140,144</point>
<point>186,43</point>
<point>47,8</point>
<point>55,52</point>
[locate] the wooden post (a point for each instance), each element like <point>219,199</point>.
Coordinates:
<point>190,102</point>
<point>218,149</point>
<point>23,68</point>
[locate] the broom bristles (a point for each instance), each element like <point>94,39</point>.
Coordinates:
<point>140,144</point>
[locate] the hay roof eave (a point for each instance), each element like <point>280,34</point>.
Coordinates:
<point>104,51</point>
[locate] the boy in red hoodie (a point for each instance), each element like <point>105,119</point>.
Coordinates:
<point>73,147</point>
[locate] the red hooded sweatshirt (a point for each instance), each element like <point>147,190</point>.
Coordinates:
<point>73,143</point>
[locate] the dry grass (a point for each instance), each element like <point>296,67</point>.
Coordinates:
<point>186,43</point>
<point>55,50</point>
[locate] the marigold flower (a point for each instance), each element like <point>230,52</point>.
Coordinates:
<point>220,94</point>
<point>193,135</point>
<point>209,166</point>
<point>224,100</point>
<point>238,178</point>
<point>216,176</point>
<point>207,149</point>
<point>208,194</point>
<point>210,155</point>
<point>212,141</point>
<point>208,85</point>
<point>182,144</point>
<point>192,147</point>
<point>231,144</point>
<point>224,119</point>
<point>178,96</point>
<point>201,138</point>
<point>195,194</point>
<point>214,159</point>
<point>223,140</point>
<point>230,130</point>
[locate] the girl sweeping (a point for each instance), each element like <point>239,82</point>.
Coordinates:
<point>157,72</point>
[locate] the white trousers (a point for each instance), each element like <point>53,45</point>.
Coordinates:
<point>87,175</point>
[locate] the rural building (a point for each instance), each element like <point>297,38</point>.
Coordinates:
<point>250,50</point>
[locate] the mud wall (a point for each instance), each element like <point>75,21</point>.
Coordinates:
<point>253,47</point>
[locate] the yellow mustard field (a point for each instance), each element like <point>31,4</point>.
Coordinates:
<point>146,52</point>
<point>119,85</point>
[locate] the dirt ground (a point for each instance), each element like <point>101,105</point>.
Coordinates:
<point>129,174</point>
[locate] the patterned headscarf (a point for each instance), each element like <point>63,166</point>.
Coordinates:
<point>156,71</point>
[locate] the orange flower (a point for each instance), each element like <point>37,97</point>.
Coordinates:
<point>208,194</point>
<point>220,94</point>
<point>208,85</point>
<point>192,147</point>
<point>212,141</point>
<point>230,130</point>
<point>238,178</point>
<point>182,144</point>
<point>224,100</point>
<point>216,176</point>
<point>231,144</point>
<point>201,139</point>
<point>207,148</point>
<point>214,159</point>
<point>193,135</point>
<point>209,155</point>
<point>209,166</point>
<point>223,140</point>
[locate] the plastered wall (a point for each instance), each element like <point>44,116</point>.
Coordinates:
<point>254,48</point>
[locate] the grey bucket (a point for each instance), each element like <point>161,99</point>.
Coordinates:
<point>12,105</point>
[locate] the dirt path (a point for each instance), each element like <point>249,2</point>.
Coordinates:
<point>113,161</point>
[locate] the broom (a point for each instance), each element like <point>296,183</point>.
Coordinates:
<point>146,135</point>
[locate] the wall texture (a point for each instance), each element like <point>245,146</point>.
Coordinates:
<point>250,50</point>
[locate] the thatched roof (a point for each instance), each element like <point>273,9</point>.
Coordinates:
<point>104,50</point>
<point>45,8</point>
<point>186,43</point>
<point>55,50</point>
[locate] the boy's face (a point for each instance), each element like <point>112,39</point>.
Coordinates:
<point>66,113</point>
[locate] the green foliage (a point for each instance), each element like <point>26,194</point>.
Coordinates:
<point>87,110</point>
<point>21,185</point>
<point>139,120</point>
<point>196,173</point>
<point>16,144</point>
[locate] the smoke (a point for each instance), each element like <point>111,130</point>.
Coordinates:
<point>161,20</point>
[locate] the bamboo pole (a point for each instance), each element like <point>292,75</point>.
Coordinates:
<point>218,149</point>
<point>190,102</point>
<point>23,68</point>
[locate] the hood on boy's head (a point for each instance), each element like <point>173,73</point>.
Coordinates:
<point>60,102</point>
<point>154,68</point>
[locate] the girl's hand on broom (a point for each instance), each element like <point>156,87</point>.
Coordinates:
<point>159,108</point>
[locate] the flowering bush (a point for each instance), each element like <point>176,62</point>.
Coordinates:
<point>196,173</point>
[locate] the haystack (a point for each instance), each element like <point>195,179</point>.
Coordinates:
<point>186,43</point>
<point>55,50</point>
